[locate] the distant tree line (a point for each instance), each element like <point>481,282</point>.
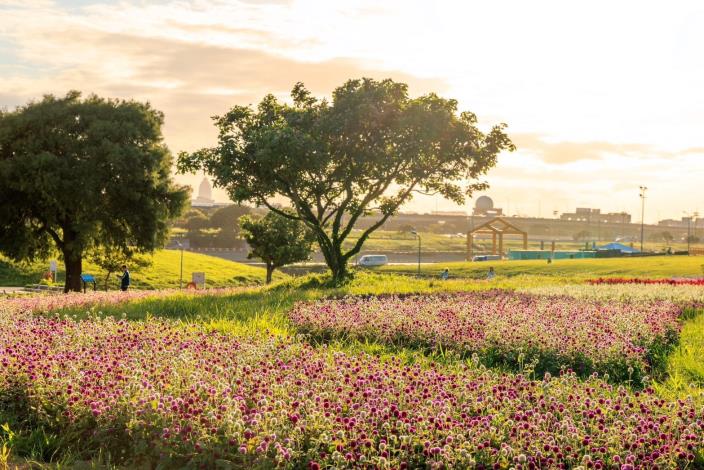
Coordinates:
<point>214,228</point>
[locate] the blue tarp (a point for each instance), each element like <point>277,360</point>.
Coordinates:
<point>620,247</point>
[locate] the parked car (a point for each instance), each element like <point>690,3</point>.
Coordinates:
<point>487,258</point>
<point>372,260</point>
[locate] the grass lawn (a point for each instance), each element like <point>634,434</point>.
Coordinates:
<point>162,274</point>
<point>655,266</point>
<point>685,366</point>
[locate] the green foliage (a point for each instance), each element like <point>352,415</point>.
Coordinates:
<point>111,260</point>
<point>276,240</point>
<point>226,218</point>
<point>77,173</point>
<point>368,150</point>
<point>196,223</point>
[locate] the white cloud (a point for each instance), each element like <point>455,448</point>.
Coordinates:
<point>600,96</point>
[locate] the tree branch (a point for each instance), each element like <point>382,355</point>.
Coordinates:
<point>360,241</point>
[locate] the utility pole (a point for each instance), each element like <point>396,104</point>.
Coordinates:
<point>643,189</point>
<point>695,218</point>
<point>690,216</point>
<point>414,232</point>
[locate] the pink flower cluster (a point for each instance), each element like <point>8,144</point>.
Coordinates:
<point>75,300</point>
<point>507,328</point>
<point>156,395</point>
<point>635,280</point>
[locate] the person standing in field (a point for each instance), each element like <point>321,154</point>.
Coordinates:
<point>445,275</point>
<point>125,279</point>
<point>491,274</point>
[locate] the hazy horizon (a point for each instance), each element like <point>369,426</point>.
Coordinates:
<point>600,98</point>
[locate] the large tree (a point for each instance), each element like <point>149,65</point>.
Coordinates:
<point>277,240</point>
<point>366,151</point>
<point>79,173</point>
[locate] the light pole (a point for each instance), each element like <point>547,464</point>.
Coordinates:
<point>690,216</point>
<point>643,189</point>
<point>695,217</point>
<point>180,282</point>
<point>414,232</point>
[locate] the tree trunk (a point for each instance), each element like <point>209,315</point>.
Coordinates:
<point>338,265</point>
<point>107,280</point>
<point>74,269</point>
<point>336,261</point>
<point>269,272</point>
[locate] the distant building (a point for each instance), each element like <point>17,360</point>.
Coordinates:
<point>682,223</point>
<point>485,207</point>
<point>205,195</point>
<point>586,214</point>
<point>450,213</point>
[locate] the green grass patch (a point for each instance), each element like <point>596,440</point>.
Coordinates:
<point>164,272</point>
<point>685,365</point>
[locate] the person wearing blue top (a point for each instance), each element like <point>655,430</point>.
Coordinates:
<point>124,279</point>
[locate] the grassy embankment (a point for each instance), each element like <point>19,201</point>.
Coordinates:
<point>576,269</point>
<point>385,240</point>
<point>163,273</point>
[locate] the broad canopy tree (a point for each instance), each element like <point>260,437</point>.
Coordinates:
<point>367,151</point>
<point>276,240</point>
<point>79,173</point>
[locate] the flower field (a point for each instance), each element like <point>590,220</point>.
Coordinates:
<point>149,393</point>
<point>623,339</point>
<point>635,280</point>
<point>686,295</point>
<point>75,300</point>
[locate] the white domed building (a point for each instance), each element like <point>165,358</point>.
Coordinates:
<point>484,206</point>
<point>205,195</point>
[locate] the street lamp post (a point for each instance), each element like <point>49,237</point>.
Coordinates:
<point>414,232</point>
<point>180,282</point>
<point>691,216</point>
<point>696,219</point>
<point>643,189</point>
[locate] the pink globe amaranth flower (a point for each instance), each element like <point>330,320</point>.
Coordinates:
<point>439,401</point>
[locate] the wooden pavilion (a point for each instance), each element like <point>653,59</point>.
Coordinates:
<point>497,228</point>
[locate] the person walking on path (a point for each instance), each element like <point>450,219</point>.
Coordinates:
<point>125,279</point>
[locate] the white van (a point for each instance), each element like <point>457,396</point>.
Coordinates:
<point>372,260</point>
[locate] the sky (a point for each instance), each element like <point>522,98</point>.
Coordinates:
<point>600,97</point>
